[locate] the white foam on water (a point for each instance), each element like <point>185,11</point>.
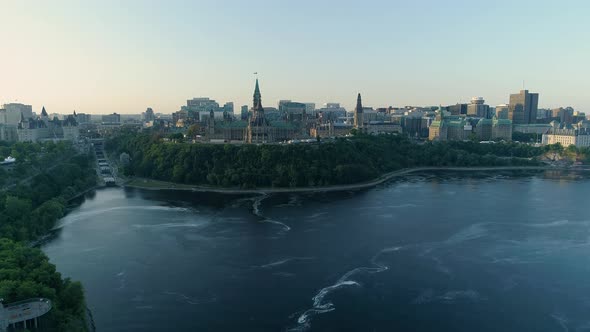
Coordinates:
<point>144,307</point>
<point>256,210</point>
<point>72,218</point>
<point>285,227</point>
<point>284,274</point>
<point>441,267</point>
<point>257,202</point>
<point>317,215</point>
<point>92,249</point>
<point>284,261</point>
<point>401,206</point>
<point>391,249</point>
<point>472,232</point>
<point>172,225</point>
<point>562,321</point>
<point>555,223</point>
<point>452,296</point>
<point>449,297</point>
<point>321,306</point>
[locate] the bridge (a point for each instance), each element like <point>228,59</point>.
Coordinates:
<point>30,310</point>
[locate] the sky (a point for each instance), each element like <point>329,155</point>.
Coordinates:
<point>126,55</point>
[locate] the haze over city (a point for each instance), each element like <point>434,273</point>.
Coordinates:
<point>300,166</point>
<point>113,56</point>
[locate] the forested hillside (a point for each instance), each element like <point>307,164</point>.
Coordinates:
<point>343,161</point>
<point>32,199</point>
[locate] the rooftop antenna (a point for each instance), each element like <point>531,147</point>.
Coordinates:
<point>523,84</point>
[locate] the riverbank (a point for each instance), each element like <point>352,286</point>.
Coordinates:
<point>149,184</point>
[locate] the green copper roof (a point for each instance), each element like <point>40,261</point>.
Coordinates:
<point>455,124</point>
<point>484,121</point>
<point>503,121</point>
<point>534,125</point>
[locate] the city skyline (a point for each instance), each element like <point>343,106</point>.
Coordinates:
<point>107,57</point>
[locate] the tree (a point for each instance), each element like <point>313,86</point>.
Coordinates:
<point>344,160</point>
<point>26,273</point>
<point>124,159</point>
<point>193,131</point>
<point>16,208</point>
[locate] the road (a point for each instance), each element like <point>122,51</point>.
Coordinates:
<point>356,186</point>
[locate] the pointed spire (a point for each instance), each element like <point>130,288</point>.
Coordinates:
<point>359,104</point>
<point>43,112</point>
<point>257,98</point>
<point>75,113</point>
<point>257,90</point>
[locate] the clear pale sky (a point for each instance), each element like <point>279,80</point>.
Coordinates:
<point>126,55</point>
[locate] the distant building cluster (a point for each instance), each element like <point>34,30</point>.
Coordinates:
<point>203,119</point>
<point>290,122</point>
<point>18,123</point>
<point>199,109</point>
<point>262,125</point>
<point>44,128</point>
<point>461,128</point>
<point>566,135</point>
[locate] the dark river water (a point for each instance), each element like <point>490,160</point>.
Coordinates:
<point>430,252</point>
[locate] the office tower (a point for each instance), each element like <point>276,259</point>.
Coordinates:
<point>523,107</point>
<point>478,108</point>
<point>502,111</point>
<point>358,113</point>
<point>12,113</point>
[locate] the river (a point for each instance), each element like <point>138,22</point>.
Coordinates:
<point>438,251</point>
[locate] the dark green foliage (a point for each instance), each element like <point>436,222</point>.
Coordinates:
<point>526,137</point>
<point>347,160</point>
<point>29,208</point>
<point>26,273</point>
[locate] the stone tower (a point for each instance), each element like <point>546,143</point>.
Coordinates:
<point>259,130</point>
<point>358,113</point>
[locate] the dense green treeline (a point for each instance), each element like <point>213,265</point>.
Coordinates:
<point>26,273</point>
<point>344,161</point>
<point>30,207</point>
<point>31,158</point>
<point>33,198</point>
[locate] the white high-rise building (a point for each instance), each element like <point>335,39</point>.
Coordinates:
<point>12,113</point>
